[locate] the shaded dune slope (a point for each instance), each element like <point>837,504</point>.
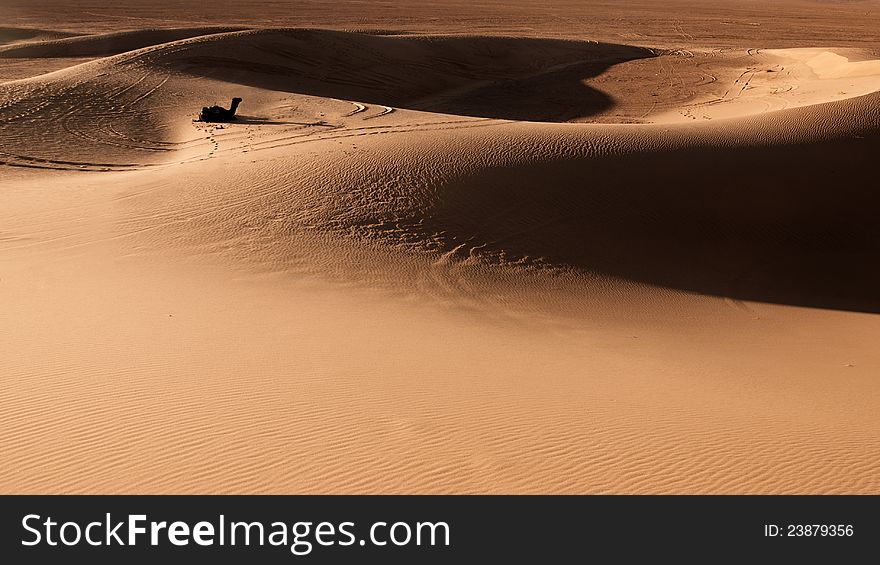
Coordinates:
<point>495,77</point>
<point>748,208</point>
<point>761,216</point>
<point>756,213</point>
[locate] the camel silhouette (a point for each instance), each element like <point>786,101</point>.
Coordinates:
<point>218,113</point>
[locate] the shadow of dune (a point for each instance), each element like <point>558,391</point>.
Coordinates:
<point>489,77</point>
<point>788,224</point>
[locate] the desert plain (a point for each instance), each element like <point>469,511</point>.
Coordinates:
<point>446,247</point>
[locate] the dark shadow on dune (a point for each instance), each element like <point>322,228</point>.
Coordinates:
<point>490,77</point>
<point>792,224</point>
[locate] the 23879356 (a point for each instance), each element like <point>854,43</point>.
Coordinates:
<point>808,530</point>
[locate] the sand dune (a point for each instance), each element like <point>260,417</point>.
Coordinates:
<point>389,276</point>
<point>33,52</point>
<point>771,234</point>
<point>103,44</point>
<point>15,35</point>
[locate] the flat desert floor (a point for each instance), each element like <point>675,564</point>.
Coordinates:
<point>447,247</point>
